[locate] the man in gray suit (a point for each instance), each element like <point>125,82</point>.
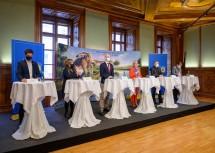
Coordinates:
<point>176,70</point>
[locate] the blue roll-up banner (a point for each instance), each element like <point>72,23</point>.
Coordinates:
<point>18,48</point>
<point>162,59</point>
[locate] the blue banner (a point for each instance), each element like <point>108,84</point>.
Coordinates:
<point>18,48</point>
<point>162,59</point>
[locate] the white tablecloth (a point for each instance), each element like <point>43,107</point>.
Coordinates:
<point>169,83</point>
<point>79,92</point>
<point>119,108</point>
<point>146,104</point>
<point>189,84</point>
<point>34,124</point>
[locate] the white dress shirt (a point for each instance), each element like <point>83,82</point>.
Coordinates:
<point>30,68</point>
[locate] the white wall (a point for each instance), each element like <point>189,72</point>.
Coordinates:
<point>191,47</point>
<point>16,22</point>
<point>146,42</point>
<point>96,31</point>
<point>208,46</point>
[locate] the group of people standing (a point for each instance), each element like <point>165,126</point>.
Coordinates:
<point>28,69</point>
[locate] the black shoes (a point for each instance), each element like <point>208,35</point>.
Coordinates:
<point>66,116</point>
<point>106,109</point>
<point>101,113</point>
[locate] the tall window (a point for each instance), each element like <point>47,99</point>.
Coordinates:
<point>118,39</point>
<point>159,44</point>
<point>164,46</point>
<point>124,35</point>
<point>57,27</point>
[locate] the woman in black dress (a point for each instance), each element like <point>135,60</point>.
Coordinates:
<point>69,72</point>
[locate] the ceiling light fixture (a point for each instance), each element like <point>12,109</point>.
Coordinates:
<point>204,14</point>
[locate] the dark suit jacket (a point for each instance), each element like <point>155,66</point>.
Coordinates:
<point>156,71</point>
<point>23,72</point>
<point>68,74</point>
<point>104,72</point>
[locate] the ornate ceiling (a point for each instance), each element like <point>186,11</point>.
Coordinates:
<point>173,13</point>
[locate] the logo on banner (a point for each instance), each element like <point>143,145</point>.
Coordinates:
<point>163,69</point>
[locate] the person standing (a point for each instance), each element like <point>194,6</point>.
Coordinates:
<point>156,71</point>
<point>176,70</point>
<point>27,69</point>
<point>106,72</point>
<point>134,72</point>
<point>69,72</point>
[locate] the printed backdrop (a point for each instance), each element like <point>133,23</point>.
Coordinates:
<point>88,61</point>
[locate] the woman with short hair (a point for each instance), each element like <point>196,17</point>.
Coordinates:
<point>134,72</point>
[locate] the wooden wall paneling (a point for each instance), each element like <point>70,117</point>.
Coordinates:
<point>137,37</point>
<point>206,80</point>
<point>5,88</point>
<point>110,28</point>
<point>144,71</point>
<point>82,28</point>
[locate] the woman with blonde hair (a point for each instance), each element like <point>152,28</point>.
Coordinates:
<point>134,72</point>
<point>69,72</point>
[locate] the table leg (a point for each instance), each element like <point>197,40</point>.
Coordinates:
<point>34,124</point>
<point>119,109</point>
<point>186,97</point>
<point>83,114</point>
<point>146,104</point>
<point>168,101</point>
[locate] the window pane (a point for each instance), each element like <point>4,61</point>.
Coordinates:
<point>159,50</point>
<point>63,41</point>
<point>117,47</point>
<point>48,41</point>
<point>113,36</point>
<point>49,57</point>
<point>159,43</point>
<point>62,30</point>
<point>48,71</point>
<point>118,37</point>
<point>112,47</point>
<point>48,28</point>
<point>76,35</point>
<point>123,47</point>
<point>122,39</point>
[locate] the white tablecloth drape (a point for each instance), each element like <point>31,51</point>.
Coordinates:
<point>189,84</point>
<point>34,124</point>
<point>146,104</point>
<point>119,108</point>
<point>169,83</point>
<point>79,92</point>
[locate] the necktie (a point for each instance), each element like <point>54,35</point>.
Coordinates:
<point>109,67</point>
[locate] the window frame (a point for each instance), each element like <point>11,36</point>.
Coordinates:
<point>58,6</point>
<point>56,21</point>
<point>124,24</point>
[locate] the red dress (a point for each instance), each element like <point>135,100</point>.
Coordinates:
<point>132,73</point>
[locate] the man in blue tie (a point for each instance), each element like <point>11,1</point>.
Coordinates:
<point>106,72</point>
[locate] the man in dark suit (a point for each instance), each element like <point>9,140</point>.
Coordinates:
<point>156,71</point>
<point>27,69</point>
<point>106,72</point>
<point>176,70</point>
